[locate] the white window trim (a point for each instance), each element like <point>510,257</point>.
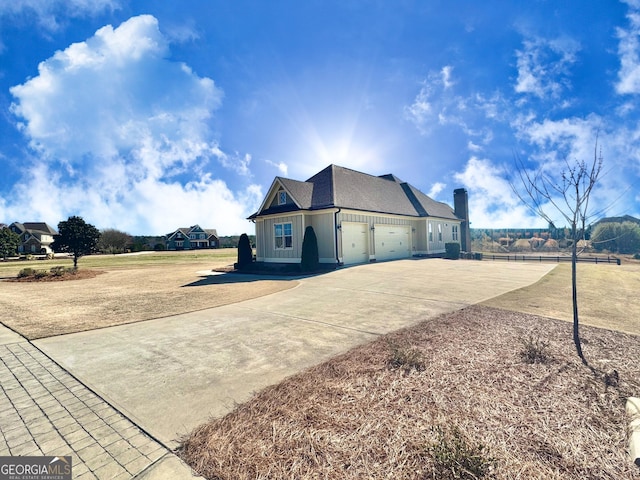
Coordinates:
<point>282,197</point>
<point>440,232</point>
<point>284,242</point>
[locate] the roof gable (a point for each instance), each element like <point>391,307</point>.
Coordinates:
<point>300,192</point>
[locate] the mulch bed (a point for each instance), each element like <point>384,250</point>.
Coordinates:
<point>77,275</point>
<point>457,384</point>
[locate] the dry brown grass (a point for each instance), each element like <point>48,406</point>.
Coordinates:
<point>125,293</point>
<point>606,296</point>
<point>359,416</point>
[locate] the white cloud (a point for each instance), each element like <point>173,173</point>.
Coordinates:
<point>446,76</point>
<point>282,167</point>
<point>629,52</point>
<point>492,202</point>
<point>558,140</point>
<point>430,104</point>
<point>436,188</point>
<point>236,162</point>
<point>543,66</point>
<point>551,145</point>
<point>420,111</point>
<point>472,147</point>
<point>49,13</point>
<point>131,130</point>
<point>436,104</point>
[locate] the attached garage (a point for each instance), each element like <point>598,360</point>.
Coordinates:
<point>355,243</point>
<point>392,242</point>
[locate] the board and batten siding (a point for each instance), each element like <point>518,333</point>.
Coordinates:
<point>268,252</point>
<point>324,228</point>
<point>435,245</point>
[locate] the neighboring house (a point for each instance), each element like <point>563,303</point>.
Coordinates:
<point>192,238</point>
<point>625,218</point>
<point>35,237</point>
<point>357,218</point>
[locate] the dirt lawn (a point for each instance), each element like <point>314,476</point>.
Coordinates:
<point>128,290</point>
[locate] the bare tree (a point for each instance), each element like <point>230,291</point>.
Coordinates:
<point>568,192</point>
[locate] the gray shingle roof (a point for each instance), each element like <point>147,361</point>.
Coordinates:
<point>301,192</point>
<point>339,187</point>
<point>41,227</point>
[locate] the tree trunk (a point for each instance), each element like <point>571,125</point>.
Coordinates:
<point>75,262</point>
<point>574,297</point>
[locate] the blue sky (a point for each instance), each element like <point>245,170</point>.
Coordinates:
<point>150,115</point>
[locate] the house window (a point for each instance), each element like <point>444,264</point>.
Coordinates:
<point>179,243</point>
<point>430,232</point>
<point>439,232</point>
<point>192,236</point>
<point>454,233</point>
<point>282,197</point>
<point>283,235</point>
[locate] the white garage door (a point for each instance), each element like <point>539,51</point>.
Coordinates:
<point>355,243</point>
<point>392,241</point>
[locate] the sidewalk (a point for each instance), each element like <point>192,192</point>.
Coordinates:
<point>45,411</point>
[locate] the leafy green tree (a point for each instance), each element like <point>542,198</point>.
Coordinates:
<point>619,237</point>
<point>114,241</point>
<point>9,242</point>
<point>245,252</point>
<point>310,258</point>
<point>77,237</point>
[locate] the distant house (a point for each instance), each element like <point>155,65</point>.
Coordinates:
<point>35,237</point>
<point>357,218</point>
<point>192,238</point>
<point>625,218</point>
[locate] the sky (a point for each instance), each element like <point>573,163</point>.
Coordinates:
<point>150,115</point>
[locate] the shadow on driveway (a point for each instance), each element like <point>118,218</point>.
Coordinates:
<point>220,278</point>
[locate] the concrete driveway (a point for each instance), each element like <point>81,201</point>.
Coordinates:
<point>172,374</point>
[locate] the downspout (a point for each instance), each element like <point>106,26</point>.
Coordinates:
<point>335,232</point>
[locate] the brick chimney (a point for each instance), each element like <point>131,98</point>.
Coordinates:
<point>461,210</point>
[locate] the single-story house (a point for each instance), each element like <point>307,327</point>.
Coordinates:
<point>192,238</point>
<point>357,218</point>
<point>35,237</point>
